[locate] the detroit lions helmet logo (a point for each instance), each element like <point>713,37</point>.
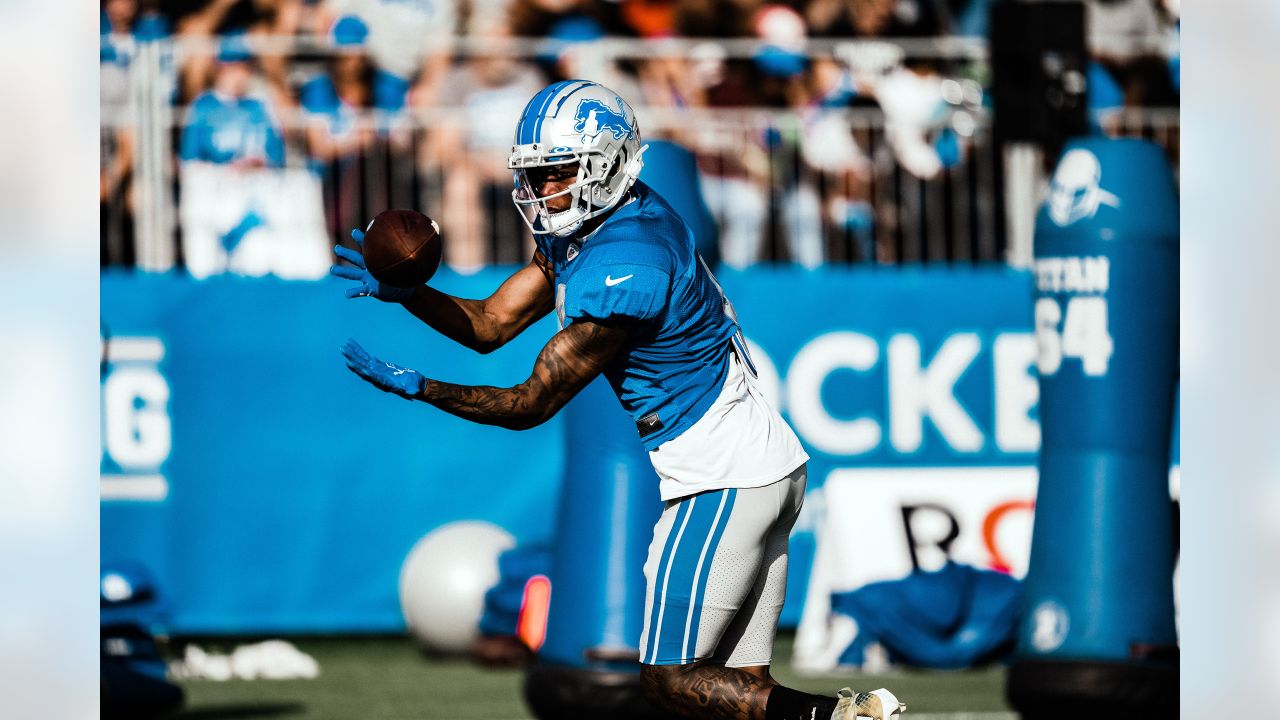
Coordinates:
<point>595,116</point>
<point>1075,192</point>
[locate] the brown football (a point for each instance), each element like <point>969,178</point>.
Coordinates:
<point>402,248</point>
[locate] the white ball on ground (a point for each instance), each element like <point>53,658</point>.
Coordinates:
<point>444,579</point>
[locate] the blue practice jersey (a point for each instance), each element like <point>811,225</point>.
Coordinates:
<point>319,98</point>
<point>641,267</point>
<point>224,129</point>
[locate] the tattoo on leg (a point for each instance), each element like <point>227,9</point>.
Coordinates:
<point>704,690</point>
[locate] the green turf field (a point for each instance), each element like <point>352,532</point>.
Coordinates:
<point>388,679</point>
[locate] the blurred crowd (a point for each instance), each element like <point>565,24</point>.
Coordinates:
<point>381,103</point>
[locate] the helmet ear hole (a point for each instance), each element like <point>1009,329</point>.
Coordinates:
<point>616,166</point>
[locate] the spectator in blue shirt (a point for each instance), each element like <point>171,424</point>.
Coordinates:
<point>334,101</point>
<point>336,106</point>
<point>408,43</point>
<point>226,125</point>
<point>125,23</point>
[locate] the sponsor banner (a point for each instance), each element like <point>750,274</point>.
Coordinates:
<point>270,490</point>
<point>906,367</point>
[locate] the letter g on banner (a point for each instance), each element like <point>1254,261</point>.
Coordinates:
<point>135,398</point>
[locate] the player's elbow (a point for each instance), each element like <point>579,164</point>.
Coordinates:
<point>487,345</point>
<point>523,423</point>
<point>530,419</point>
<point>496,336</point>
<point>490,337</point>
<point>492,331</point>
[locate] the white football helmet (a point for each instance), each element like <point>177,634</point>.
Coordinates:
<point>583,122</point>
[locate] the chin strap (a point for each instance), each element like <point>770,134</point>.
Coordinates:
<point>635,165</point>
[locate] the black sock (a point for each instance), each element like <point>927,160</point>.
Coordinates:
<point>787,704</point>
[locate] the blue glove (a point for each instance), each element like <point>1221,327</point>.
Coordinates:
<point>368,287</point>
<point>387,377</point>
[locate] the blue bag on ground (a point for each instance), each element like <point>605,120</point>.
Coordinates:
<point>956,617</point>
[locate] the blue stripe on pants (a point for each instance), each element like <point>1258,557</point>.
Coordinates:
<point>661,574</point>
<point>695,616</point>
<point>673,595</point>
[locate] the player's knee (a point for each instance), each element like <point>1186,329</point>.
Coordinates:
<point>659,682</point>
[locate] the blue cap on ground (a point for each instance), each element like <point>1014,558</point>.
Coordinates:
<point>349,32</point>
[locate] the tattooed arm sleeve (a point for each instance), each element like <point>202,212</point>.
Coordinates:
<point>573,357</point>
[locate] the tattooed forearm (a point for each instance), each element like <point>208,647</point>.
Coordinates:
<point>513,408</point>
<point>706,691</point>
<point>572,358</point>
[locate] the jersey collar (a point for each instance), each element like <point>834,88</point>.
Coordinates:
<point>632,196</point>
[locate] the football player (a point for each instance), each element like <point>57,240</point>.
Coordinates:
<point>636,303</point>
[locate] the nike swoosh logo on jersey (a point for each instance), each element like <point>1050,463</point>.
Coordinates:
<point>611,282</point>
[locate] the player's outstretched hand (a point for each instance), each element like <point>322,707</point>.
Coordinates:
<point>367,285</point>
<point>391,378</point>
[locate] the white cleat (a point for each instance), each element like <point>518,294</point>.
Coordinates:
<point>877,705</point>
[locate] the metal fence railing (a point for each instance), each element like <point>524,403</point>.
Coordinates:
<point>800,183</point>
<point>1160,125</point>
